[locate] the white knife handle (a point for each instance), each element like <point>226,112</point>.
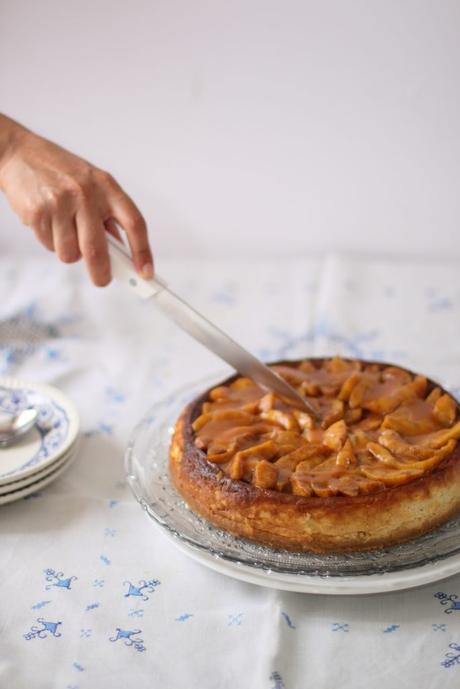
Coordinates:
<point>123,270</point>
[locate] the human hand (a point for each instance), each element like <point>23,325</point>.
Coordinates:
<point>68,202</point>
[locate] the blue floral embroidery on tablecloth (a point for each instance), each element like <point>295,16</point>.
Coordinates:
<point>448,599</point>
<point>277,679</point>
<point>46,628</point>
<point>136,612</point>
<point>452,657</point>
<point>182,618</point>
<point>40,604</point>
<point>358,344</point>
<point>363,345</point>
<point>58,580</point>
<point>25,333</point>
<point>140,590</point>
<point>225,295</point>
<point>340,627</point>
<point>440,304</point>
<point>391,628</point>
<point>235,620</point>
<point>115,396</point>
<point>129,636</point>
<point>92,606</point>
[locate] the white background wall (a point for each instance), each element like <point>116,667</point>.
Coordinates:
<point>252,126</point>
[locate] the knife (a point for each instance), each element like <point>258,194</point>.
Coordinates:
<point>199,327</point>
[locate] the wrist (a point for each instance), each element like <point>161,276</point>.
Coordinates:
<point>12,136</point>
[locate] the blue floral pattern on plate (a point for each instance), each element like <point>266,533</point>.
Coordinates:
<point>53,425</point>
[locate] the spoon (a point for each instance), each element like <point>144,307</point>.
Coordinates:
<point>13,427</point>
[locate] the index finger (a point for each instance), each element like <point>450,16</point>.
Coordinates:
<point>129,217</point>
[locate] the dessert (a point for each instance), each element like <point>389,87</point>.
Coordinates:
<point>378,466</point>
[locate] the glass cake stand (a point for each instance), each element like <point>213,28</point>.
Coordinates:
<point>430,558</point>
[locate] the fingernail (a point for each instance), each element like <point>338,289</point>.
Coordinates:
<point>147,271</point>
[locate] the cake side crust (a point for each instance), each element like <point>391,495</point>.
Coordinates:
<point>336,524</point>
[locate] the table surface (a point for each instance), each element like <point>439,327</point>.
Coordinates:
<point>115,356</point>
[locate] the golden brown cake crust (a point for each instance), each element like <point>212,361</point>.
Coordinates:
<point>320,524</point>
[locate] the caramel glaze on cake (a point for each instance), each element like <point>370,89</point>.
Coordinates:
<point>379,466</point>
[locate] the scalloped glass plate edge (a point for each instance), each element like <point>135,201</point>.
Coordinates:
<point>344,586</point>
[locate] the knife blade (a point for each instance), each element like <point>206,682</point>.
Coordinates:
<point>199,327</point>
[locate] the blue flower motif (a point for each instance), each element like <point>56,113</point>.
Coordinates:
<point>136,612</point>
<point>92,606</point>
<point>438,627</point>
<point>450,658</point>
<point>115,396</point>
<point>391,628</point>
<point>143,585</point>
<point>129,636</point>
<point>40,604</point>
<point>43,631</point>
<point>225,296</point>
<point>53,353</point>
<point>358,344</point>
<point>340,627</point>
<point>22,335</point>
<point>235,620</point>
<point>441,304</point>
<point>57,579</point>
<point>277,679</point>
<point>26,333</point>
<point>451,600</point>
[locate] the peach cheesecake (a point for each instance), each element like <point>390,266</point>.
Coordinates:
<point>378,465</point>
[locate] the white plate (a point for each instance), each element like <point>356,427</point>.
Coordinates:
<point>37,485</point>
<point>54,434</point>
<point>38,475</point>
<point>429,558</point>
<point>343,586</point>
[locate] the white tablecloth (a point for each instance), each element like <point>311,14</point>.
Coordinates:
<point>115,356</point>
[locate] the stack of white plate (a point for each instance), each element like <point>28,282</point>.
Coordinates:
<point>47,450</point>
